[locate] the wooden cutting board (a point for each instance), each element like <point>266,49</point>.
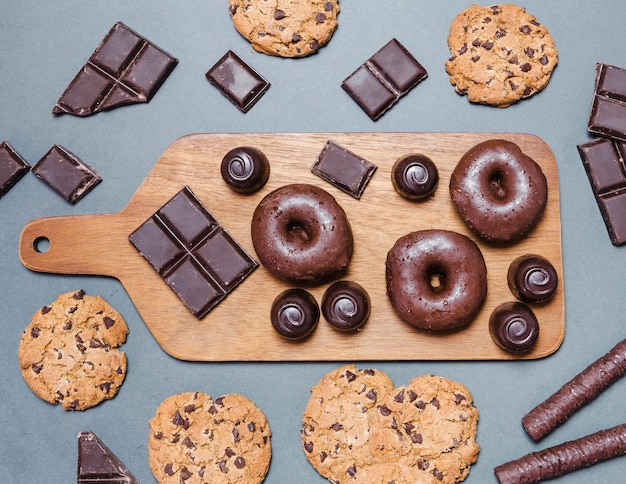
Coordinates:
<point>239,327</point>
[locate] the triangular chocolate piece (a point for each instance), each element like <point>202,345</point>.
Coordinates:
<point>98,465</point>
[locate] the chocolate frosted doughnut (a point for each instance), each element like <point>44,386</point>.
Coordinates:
<point>245,169</point>
<point>436,279</point>
<point>499,192</point>
<point>514,327</point>
<point>414,176</point>
<point>532,278</point>
<point>301,234</point>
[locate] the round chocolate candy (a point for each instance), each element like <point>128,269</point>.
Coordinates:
<point>245,169</point>
<point>532,278</point>
<point>346,305</point>
<point>514,327</point>
<point>295,313</point>
<point>414,176</point>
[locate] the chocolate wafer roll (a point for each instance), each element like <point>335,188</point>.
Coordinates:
<point>564,458</point>
<point>576,393</point>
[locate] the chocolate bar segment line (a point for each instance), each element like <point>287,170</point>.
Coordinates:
<point>576,393</point>
<point>564,458</point>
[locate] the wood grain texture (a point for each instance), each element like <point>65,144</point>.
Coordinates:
<point>238,329</point>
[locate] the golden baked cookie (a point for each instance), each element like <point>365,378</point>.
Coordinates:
<point>196,440</point>
<point>335,425</point>
<point>286,28</point>
<point>69,352</point>
<point>499,54</point>
<point>429,424</point>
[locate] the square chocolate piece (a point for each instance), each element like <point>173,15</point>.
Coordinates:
<point>608,110</point>
<point>343,169</point>
<point>384,78</point>
<point>66,173</point>
<point>237,81</point>
<point>192,252</point>
<point>12,167</point>
<point>124,69</point>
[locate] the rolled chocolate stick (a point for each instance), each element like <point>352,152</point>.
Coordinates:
<point>564,458</point>
<point>576,393</point>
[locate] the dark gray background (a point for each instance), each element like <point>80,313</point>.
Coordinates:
<point>42,46</point>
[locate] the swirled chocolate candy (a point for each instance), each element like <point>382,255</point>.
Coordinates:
<point>532,278</point>
<point>414,176</point>
<point>346,305</point>
<point>295,313</point>
<point>245,169</point>
<point>514,327</point>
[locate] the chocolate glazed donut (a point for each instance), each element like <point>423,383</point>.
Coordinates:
<point>301,234</point>
<point>499,192</point>
<point>436,279</point>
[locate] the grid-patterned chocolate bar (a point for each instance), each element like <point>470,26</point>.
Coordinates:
<point>608,110</point>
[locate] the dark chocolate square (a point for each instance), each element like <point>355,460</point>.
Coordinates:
<point>192,252</point>
<point>66,173</point>
<point>237,81</point>
<point>343,169</point>
<point>608,109</point>
<point>12,167</point>
<point>384,78</point>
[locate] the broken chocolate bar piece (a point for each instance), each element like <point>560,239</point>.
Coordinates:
<point>384,78</point>
<point>124,69</point>
<point>608,110</point>
<point>343,169</point>
<point>98,465</point>
<point>12,167</point>
<point>66,173</point>
<point>603,159</point>
<point>192,252</point>
<point>237,81</point>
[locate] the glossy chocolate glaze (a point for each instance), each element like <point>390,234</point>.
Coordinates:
<point>295,313</point>
<point>245,169</point>
<point>414,176</point>
<point>514,327</point>
<point>346,305</point>
<point>301,234</point>
<point>499,192</point>
<point>532,278</point>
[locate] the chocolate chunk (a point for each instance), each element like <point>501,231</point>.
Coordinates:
<point>414,176</point>
<point>576,393</point>
<point>346,305</point>
<point>192,252</point>
<point>237,81</point>
<point>98,465</point>
<point>603,160</point>
<point>384,78</point>
<point>66,173</point>
<point>608,110</point>
<point>245,169</point>
<point>295,313</point>
<point>514,327</point>
<point>125,68</point>
<point>343,169</point>
<point>532,278</point>
<point>12,167</point>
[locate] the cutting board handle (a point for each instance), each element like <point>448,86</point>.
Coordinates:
<point>76,244</point>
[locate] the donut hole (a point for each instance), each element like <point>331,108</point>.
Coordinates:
<point>299,231</point>
<point>436,278</point>
<point>497,184</point>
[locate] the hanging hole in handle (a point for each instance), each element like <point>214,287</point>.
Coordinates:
<point>41,245</point>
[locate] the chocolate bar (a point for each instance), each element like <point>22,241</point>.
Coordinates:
<point>608,110</point>
<point>66,174</point>
<point>564,458</point>
<point>12,167</point>
<point>343,169</point>
<point>192,252</point>
<point>384,78</point>
<point>98,465</point>
<point>125,68</point>
<point>576,393</point>
<point>237,81</point>
<point>603,160</point>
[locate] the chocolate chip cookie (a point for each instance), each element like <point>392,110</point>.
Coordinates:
<point>286,28</point>
<point>69,352</point>
<point>196,440</point>
<point>499,54</point>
